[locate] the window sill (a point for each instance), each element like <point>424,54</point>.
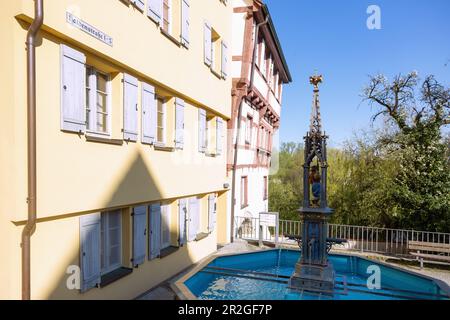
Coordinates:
<point>97,139</point>
<point>168,251</point>
<point>160,147</point>
<point>201,236</point>
<point>217,74</point>
<point>211,154</point>
<point>170,37</point>
<point>114,276</point>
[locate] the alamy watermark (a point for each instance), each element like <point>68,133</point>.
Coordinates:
<point>374,280</point>
<point>73,281</point>
<point>374,19</point>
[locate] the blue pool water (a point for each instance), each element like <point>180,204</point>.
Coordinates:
<point>232,278</point>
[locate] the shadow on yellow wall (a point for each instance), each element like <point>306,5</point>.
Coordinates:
<point>59,254</point>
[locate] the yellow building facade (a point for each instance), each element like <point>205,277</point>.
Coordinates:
<point>133,98</point>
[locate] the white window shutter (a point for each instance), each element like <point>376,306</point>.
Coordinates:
<point>140,4</point>
<point>73,92</point>
<point>208,43</point>
<point>194,218</point>
<point>154,10</point>
<point>182,219</point>
<point>211,213</point>
<point>185,23</point>
<point>219,136</point>
<point>130,112</point>
<point>201,130</point>
<point>155,231</point>
<point>179,119</point>
<point>149,114</point>
<point>139,235</point>
<point>224,60</point>
<point>90,251</point>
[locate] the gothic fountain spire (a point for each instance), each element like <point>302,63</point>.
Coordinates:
<point>315,128</point>
<point>314,272</point>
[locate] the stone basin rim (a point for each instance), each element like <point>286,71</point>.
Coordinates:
<point>183,292</point>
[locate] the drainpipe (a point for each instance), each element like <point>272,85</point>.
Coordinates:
<point>31,147</point>
<point>238,133</point>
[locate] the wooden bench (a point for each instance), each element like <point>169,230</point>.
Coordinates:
<point>435,252</point>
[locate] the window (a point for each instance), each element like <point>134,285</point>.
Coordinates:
<point>265,190</point>
<point>111,241</point>
<point>97,101</point>
<point>269,69</point>
<point>248,130</point>
<point>194,214</point>
<point>216,52</point>
<point>263,68</point>
<point>167,16</point>
<point>280,90</point>
<point>275,84</point>
<point>258,53</point>
<point>244,192</point>
<point>161,120</point>
<point>165,226</point>
<point>210,133</point>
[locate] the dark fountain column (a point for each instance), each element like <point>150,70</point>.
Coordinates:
<point>314,272</point>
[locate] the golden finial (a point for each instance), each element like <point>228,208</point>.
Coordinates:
<point>316,80</point>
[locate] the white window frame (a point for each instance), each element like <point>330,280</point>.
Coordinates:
<point>164,124</point>
<point>169,22</point>
<point>263,62</point>
<point>244,192</point>
<point>91,110</point>
<point>165,210</point>
<point>248,130</point>
<point>105,239</point>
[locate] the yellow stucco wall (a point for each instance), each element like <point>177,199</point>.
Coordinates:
<point>77,177</point>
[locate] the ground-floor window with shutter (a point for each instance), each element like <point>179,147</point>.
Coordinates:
<point>111,241</point>
<point>194,211</point>
<point>212,213</point>
<point>98,101</point>
<point>101,249</point>
<point>165,226</point>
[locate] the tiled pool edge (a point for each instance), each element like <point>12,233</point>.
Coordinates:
<point>441,284</point>
<point>183,292</point>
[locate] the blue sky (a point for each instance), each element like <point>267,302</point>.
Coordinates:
<point>331,36</point>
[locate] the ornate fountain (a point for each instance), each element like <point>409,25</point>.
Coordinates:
<point>314,272</point>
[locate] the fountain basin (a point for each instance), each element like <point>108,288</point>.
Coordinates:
<point>264,275</point>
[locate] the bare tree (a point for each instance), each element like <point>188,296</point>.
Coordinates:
<point>401,102</point>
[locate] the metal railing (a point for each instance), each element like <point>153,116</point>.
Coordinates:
<point>359,238</point>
